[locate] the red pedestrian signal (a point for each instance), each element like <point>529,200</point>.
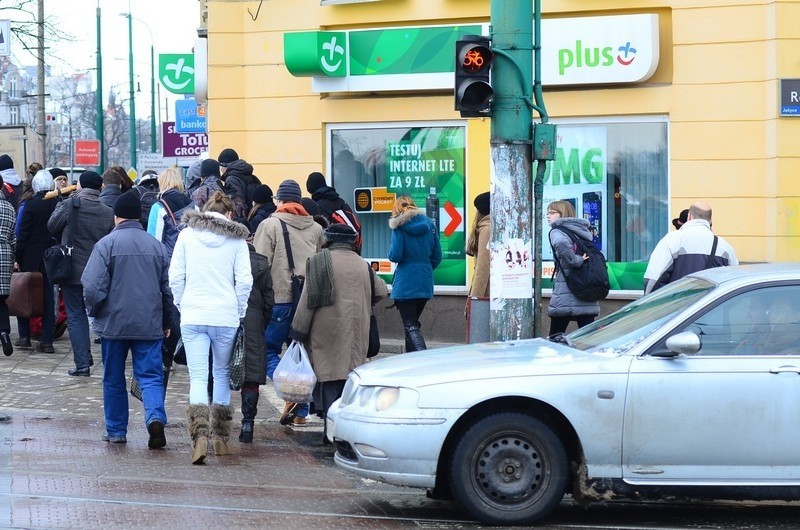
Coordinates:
<point>473,89</point>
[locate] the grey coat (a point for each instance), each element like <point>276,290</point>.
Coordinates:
<point>126,285</point>
<point>8,245</point>
<point>563,303</point>
<point>94,221</point>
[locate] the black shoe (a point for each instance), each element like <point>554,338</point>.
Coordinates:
<point>156,430</point>
<point>97,340</point>
<point>91,360</point>
<point>5,340</point>
<point>43,347</point>
<point>61,327</point>
<point>115,439</point>
<point>83,372</point>
<point>246,435</point>
<point>23,342</point>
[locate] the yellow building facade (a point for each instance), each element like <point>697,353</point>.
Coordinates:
<point>705,122</point>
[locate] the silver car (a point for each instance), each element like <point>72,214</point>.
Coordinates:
<point>693,390</point>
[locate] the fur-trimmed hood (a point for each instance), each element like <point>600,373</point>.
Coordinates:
<point>212,229</point>
<point>413,221</point>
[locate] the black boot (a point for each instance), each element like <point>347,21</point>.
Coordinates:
<point>414,339</point>
<point>5,340</point>
<point>249,411</point>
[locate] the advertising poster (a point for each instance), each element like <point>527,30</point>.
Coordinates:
<point>511,264</point>
<point>427,163</point>
<point>578,176</point>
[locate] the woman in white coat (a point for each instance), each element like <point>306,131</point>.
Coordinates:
<point>210,279</point>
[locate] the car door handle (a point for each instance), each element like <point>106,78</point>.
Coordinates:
<point>785,370</point>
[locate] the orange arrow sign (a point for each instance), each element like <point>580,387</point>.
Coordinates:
<point>455,219</point>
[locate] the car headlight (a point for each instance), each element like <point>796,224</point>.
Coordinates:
<point>378,397</point>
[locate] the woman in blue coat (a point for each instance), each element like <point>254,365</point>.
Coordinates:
<point>416,250</point>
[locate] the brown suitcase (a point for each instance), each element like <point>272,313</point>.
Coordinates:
<point>25,299</point>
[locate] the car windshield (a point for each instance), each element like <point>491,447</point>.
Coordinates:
<point>625,328</point>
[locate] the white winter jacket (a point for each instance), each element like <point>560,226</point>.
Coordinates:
<point>210,273</point>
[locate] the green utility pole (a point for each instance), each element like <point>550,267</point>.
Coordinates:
<point>515,144</point>
<point>510,316</point>
<point>152,96</point>
<point>133,100</point>
<point>99,97</point>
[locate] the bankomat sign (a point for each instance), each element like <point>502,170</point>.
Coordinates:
<point>182,144</point>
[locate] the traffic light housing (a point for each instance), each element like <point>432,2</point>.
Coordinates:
<point>473,89</point>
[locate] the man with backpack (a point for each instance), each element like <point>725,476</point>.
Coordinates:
<point>147,189</point>
<point>333,207</point>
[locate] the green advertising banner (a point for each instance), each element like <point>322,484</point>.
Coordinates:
<point>428,164</point>
<point>176,72</point>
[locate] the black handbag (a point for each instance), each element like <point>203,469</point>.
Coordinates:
<point>237,359</point>
<point>374,336</point>
<point>58,258</point>
<point>297,281</point>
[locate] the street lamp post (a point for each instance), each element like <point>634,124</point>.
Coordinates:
<point>132,100</point>
<point>152,78</point>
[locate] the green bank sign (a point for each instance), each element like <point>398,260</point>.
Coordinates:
<point>587,50</point>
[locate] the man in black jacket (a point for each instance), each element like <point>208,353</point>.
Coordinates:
<point>240,183</point>
<point>331,205</point>
<point>93,220</point>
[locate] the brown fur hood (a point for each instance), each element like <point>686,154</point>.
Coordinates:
<point>214,223</point>
<point>413,221</point>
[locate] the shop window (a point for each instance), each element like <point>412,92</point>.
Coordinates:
<point>369,164</point>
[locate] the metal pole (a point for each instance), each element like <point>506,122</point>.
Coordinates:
<point>152,98</point>
<point>40,80</point>
<point>511,137</point>
<point>100,120</point>
<point>132,101</point>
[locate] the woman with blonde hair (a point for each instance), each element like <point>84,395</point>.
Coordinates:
<point>210,278</point>
<point>416,250</point>
<point>565,306</point>
<point>171,201</point>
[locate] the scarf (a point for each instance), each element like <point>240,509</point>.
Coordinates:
<point>319,276</point>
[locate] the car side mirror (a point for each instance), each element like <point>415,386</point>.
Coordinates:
<point>686,342</point>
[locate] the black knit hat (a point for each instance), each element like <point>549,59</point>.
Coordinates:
<point>6,162</point>
<point>482,203</point>
<point>58,172</point>
<point>681,219</point>
<point>310,206</point>
<point>91,180</point>
<point>226,156</point>
<point>340,233</point>
<point>289,191</point>
<point>209,168</point>
<point>262,194</point>
<point>315,181</point>
<point>128,205</point>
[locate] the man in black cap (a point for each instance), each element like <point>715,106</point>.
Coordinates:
<point>209,182</point>
<point>81,229</point>
<point>240,183</point>
<point>331,205</point>
<point>12,183</point>
<point>302,239</point>
<point>118,282</point>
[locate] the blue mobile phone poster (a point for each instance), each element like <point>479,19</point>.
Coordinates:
<point>578,176</point>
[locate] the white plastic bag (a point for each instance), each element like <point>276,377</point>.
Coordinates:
<point>294,377</point>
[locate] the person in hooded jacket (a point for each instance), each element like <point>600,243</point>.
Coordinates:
<point>263,207</point>
<point>259,312</point>
<point>416,250</point>
<point>211,279</point>
<point>565,306</point>
<point>240,183</point>
<point>305,240</point>
<point>12,183</point>
<point>34,238</point>
<point>326,197</point>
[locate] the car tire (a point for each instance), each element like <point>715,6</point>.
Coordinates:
<point>509,469</point>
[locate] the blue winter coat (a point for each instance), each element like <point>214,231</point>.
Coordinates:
<point>126,285</point>
<point>416,250</point>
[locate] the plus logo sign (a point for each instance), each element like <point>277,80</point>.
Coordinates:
<point>625,52</point>
<point>176,72</point>
<point>333,53</point>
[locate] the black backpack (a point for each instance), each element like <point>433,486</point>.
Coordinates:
<point>149,198</point>
<point>172,226</point>
<point>588,282</point>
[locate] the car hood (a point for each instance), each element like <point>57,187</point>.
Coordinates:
<point>484,361</point>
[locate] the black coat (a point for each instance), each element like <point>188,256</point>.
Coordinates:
<point>329,201</point>
<point>239,185</point>
<point>264,211</point>
<point>259,313</point>
<point>34,237</point>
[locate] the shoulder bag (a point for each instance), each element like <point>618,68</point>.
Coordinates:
<point>374,336</point>
<point>58,258</point>
<point>297,281</point>
<point>237,359</point>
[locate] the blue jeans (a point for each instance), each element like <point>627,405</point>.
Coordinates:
<point>77,324</point>
<point>196,341</point>
<point>48,315</point>
<point>277,332</point>
<point>148,370</point>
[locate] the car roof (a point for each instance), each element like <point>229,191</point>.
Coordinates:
<point>750,273</point>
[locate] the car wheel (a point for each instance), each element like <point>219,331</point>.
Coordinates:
<point>509,468</point>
